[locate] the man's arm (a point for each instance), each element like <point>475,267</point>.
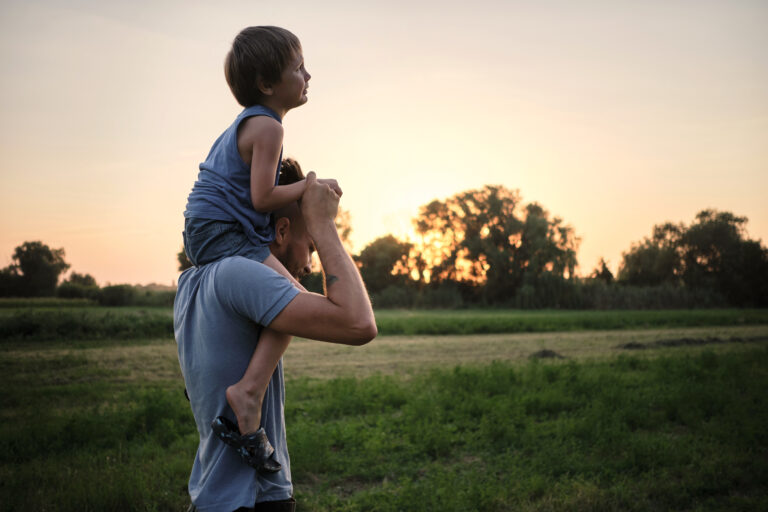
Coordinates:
<point>344,314</point>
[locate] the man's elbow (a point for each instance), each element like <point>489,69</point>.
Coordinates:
<point>364,332</point>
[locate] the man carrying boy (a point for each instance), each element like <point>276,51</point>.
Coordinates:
<point>230,208</point>
<point>219,312</point>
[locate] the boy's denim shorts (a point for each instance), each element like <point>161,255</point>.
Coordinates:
<point>207,240</point>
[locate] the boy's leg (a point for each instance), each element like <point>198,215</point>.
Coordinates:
<point>246,395</point>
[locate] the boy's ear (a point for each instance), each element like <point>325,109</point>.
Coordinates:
<point>264,87</point>
<point>282,230</point>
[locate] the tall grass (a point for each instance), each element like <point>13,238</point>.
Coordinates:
<point>95,323</point>
<point>44,302</point>
<point>85,324</point>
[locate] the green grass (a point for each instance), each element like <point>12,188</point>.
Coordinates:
<point>133,323</point>
<point>679,432</point>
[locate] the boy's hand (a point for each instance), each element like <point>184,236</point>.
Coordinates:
<point>333,184</point>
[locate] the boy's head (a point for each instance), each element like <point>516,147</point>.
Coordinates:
<point>258,53</point>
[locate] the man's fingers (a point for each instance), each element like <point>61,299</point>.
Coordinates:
<point>311,177</point>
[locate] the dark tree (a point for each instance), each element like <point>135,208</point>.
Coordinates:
<point>37,268</point>
<point>82,279</point>
<point>713,253</point>
<point>655,260</point>
<point>384,262</point>
<point>481,237</point>
<point>602,272</point>
<point>718,255</point>
<point>10,282</point>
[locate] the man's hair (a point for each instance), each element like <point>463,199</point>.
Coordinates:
<point>258,53</point>
<point>290,172</point>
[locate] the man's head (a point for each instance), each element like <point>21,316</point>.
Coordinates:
<point>259,55</point>
<point>293,246</point>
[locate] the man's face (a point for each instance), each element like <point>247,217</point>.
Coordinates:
<point>295,251</point>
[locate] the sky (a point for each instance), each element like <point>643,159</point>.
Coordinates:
<point>614,115</point>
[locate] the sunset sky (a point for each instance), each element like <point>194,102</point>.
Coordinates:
<point>614,115</point>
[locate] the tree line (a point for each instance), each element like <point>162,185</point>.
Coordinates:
<point>36,270</point>
<point>486,247</point>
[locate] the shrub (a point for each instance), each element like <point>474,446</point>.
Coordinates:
<point>117,295</point>
<point>393,297</point>
<point>70,290</point>
<point>446,296</point>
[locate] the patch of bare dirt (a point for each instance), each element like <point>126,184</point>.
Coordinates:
<point>546,354</point>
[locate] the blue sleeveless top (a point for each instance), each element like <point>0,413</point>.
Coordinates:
<point>223,187</point>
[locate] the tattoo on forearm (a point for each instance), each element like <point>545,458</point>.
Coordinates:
<point>330,279</point>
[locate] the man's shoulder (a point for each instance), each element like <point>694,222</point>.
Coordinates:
<point>239,285</point>
<point>233,274</point>
<point>231,268</point>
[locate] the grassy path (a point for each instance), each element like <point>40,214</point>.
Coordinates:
<point>155,360</point>
<point>412,354</point>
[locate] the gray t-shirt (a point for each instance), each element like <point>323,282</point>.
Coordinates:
<point>218,314</point>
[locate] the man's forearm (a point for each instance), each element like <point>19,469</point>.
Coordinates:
<point>343,285</point>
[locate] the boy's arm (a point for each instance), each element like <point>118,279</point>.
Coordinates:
<point>345,314</point>
<point>259,141</point>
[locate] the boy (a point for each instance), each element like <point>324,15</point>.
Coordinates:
<point>228,212</point>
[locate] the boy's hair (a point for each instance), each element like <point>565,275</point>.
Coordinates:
<point>258,52</point>
<point>290,172</point>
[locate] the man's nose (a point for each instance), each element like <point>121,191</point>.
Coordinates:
<point>307,269</point>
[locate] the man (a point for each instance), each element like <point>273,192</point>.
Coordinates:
<point>220,309</point>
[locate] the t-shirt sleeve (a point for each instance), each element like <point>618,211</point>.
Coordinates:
<point>252,289</point>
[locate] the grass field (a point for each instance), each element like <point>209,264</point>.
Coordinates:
<point>631,419</point>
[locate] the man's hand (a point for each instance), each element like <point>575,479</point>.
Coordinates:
<point>331,183</point>
<point>319,204</point>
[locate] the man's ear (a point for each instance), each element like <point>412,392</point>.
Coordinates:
<point>282,230</point>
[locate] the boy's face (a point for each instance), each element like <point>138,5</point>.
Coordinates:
<point>291,90</point>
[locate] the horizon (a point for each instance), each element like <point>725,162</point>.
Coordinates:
<point>612,116</point>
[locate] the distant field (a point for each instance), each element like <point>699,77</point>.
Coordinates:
<point>54,323</point>
<point>414,423</point>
